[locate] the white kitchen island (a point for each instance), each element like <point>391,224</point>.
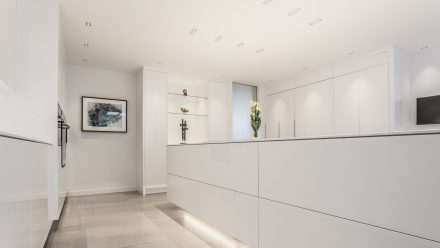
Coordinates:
<point>379,190</point>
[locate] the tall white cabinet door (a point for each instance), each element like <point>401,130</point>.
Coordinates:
<point>346,104</point>
<point>271,117</point>
<point>280,114</point>
<point>286,113</point>
<point>314,109</point>
<point>374,108</point>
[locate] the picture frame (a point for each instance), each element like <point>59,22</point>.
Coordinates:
<point>103,115</point>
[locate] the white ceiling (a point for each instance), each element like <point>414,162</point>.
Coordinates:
<point>127,34</point>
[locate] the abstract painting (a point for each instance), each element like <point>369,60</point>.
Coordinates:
<point>104,115</point>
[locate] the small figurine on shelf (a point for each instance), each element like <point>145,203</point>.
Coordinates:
<point>184,128</point>
<point>184,110</point>
<point>185,92</point>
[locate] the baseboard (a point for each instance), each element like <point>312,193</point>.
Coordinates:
<point>155,189</point>
<point>98,191</point>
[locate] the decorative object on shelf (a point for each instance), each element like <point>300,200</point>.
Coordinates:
<point>184,110</point>
<point>184,128</point>
<point>255,117</point>
<point>104,115</point>
<point>185,92</point>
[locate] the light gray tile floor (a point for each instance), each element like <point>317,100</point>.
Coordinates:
<point>129,220</point>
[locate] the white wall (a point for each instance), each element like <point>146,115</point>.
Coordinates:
<point>100,162</point>
<point>30,110</point>
<point>425,69</point>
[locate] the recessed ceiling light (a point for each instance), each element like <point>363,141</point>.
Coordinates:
<point>292,12</point>
<point>260,50</point>
<point>85,61</point>
<point>351,53</point>
<point>86,44</point>
<point>88,24</point>
<point>193,31</point>
<point>219,38</point>
<point>315,21</point>
<point>266,2</point>
<point>424,47</point>
<point>240,44</point>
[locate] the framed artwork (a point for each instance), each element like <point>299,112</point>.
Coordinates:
<point>104,115</point>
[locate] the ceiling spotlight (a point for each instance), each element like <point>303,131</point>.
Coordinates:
<point>315,22</point>
<point>260,50</point>
<point>424,47</point>
<point>86,44</point>
<point>88,24</point>
<point>240,44</point>
<point>351,53</point>
<point>292,12</point>
<point>85,60</point>
<point>219,38</point>
<point>193,31</point>
<point>266,2</point>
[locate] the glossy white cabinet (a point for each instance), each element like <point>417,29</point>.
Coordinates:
<point>391,182</point>
<point>314,109</point>
<point>346,100</point>
<point>232,166</point>
<point>8,43</point>
<point>232,212</point>
<point>280,115</point>
<point>284,226</point>
<point>374,100</point>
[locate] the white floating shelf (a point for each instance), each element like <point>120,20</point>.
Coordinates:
<point>188,98</point>
<point>200,115</point>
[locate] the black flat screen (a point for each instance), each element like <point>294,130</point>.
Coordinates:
<point>428,110</point>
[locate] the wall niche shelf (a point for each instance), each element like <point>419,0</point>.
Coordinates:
<point>188,98</point>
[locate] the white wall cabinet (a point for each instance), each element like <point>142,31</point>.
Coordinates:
<point>374,102</point>
<point>314,109</point>
<point>8,29</point>
<point>346,104</point>
<point>280,115</point>
<point>370,95</point>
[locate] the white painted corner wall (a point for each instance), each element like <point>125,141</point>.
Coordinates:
<point>100,162</point>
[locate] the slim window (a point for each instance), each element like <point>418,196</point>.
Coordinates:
<point>242,95</point>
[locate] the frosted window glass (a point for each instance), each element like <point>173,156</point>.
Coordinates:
<point>242,95</point>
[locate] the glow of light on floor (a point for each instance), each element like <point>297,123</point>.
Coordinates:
<point>204,229</point>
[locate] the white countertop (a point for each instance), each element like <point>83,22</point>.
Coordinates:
<point>393,133</point>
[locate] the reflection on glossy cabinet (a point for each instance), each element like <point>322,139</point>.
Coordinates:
<point>374,108</point>
<point>280,115</point>
<point>8,34</point>
<point>314,109</point>
<point>346,100</point>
